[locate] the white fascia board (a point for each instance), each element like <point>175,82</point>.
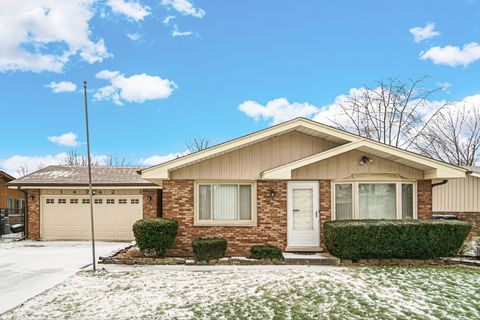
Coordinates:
<point>162,171</point>
<point>285,171</point>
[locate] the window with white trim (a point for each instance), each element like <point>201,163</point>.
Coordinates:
<point>110,201</point>
<point>134,201</point>
<point>73,201</point>
<point>62,201</point>
<point>97,201</point>
<point>225,203</point>
<point>122,201</point>
<point>50,201</point>
<point>374,200</point>
<point>85,201</point>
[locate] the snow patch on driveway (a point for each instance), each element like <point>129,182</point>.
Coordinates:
<point>30,267</point>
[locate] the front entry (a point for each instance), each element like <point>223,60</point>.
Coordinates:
<point>303,216</point>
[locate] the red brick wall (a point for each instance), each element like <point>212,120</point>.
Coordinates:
<point>325,206</point>
<point>150,203</point>
<point>424,200</point>
<point>178,203</point>
<point>33,214</point>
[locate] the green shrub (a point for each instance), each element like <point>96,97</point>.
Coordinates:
<point>266,252</point>
<point>415,239</point>
<point>206,249</point>
<point>155,235</point>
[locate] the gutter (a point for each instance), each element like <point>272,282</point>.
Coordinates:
<point>444,181</point>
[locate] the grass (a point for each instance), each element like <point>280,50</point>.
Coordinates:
<point>320,293</point>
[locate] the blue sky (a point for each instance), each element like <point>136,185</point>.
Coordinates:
<point>187,76</point>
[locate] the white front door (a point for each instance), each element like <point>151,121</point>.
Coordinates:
<point>303,216</point>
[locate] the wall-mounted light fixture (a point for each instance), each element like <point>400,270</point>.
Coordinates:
<point>31,197</point>
<point>271,193</point>
<point>149,198</point>
<point>365,160</point>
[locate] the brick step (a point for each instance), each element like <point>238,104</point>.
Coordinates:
<point>317,259</point>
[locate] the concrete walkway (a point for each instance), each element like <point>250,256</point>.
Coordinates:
<point>28,268</point>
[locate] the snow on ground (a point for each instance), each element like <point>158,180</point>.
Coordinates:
<point>261,292</point>
<point>30,267</point>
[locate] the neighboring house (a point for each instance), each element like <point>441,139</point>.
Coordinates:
<point>13,200</point>
<point>276,186</point>
<point>280,185</point>
<point>59,205</point>
<point>461,197</point>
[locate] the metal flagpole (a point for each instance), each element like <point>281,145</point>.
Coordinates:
<point>90,191</point>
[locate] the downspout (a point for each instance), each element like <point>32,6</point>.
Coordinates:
<point>444,181</point>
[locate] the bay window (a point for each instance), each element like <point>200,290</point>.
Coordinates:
<point>374,200</point>
<point>224,204</point>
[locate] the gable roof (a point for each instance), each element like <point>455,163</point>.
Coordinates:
<point>5,176</point>
<point>78,176</point>
<point>435,168</point>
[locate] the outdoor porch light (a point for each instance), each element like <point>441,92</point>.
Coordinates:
<point>31,197</point>
<point>271,193</point>
<point>365,160</point>
<point>149,198</point>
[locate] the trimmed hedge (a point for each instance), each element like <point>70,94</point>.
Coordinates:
<point>266,252</point>
<point>414,239</point>
<point>206,249</point>
<point>155,235</point>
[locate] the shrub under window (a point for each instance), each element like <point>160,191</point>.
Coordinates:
<point>206,249</point>
<point>155,235</point>
<point>266,252</point>
<point>416,239</point>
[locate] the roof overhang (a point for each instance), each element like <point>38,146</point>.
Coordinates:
<point>432,169</point>
<point>162,171</point>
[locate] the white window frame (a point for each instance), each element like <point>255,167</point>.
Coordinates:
<point>355,198</point>
<point>225,223</point>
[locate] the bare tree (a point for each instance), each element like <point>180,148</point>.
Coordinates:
<point>74,158</point>
<point>114,160</point>
<point>453,135</point>
<point>197,144</point>
<point>23,170</point>
<point>395,112</point>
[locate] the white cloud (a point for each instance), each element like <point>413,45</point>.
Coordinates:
<point>277,110</point>
<point>42,35</point>
<point>137,88</point>
<point>444,86</point>
<point>13,164</point>
<point>427,32</point>
<point>157,159</point>
<point>133,36</point>
<point>168,19</point>
<point>178,33</point>
<point>452,55</point>
<point>62,86</point>
<point>132,9</point>
<point>184,7</point>
<point>67,139</point>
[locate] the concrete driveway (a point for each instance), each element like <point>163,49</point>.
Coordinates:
<point>28,268</point>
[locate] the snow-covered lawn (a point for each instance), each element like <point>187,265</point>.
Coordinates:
<point>262,293</point>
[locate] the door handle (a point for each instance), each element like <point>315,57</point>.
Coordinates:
<point>316,213</point>
<point>295,210</point>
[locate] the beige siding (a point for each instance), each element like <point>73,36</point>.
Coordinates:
<point>247,163</point>
<point>458,195</point>
<point>344,165</point>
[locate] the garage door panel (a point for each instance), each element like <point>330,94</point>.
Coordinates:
<point>70,219</point>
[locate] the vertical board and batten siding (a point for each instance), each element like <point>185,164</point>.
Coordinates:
<point>348,163</point>
<point>249,162</point>
<point>457,195</point>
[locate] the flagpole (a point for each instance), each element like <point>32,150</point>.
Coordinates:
<point>90,191</point>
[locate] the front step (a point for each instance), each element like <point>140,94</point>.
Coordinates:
<point>317,259</point>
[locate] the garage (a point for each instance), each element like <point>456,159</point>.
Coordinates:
<point>67,217</point>
<point>58,202</point>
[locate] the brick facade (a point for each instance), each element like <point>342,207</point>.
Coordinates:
<point>178,203</point>
<point>150,203</point>
<point>33,214</point>
<point>325,207</point>
<point>424,199</point>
